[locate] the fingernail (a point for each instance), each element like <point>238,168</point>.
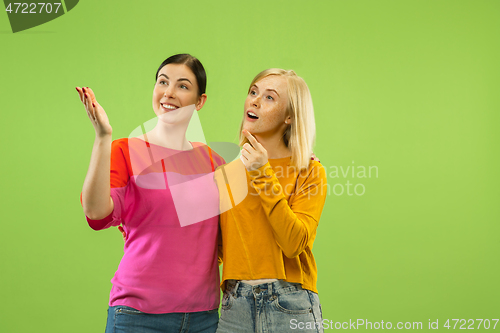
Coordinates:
<point>76,89</point>
<point>83,89</point>
<point>93,104</point>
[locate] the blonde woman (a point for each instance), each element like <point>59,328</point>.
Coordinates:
<point>269,272</point>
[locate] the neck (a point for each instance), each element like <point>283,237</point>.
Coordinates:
<point>171,136</point>
<point>274,145</point>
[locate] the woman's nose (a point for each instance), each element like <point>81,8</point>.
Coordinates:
<point>169,91</point>
<point>255,101</point>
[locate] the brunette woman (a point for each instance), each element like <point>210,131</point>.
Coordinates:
<point>168,278</point>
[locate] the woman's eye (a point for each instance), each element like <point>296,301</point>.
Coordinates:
<point>252,93</point>
<point>163,82</point>
<point>183,86</point>
<point>270,97</point>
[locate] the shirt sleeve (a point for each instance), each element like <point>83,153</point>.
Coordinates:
<point>119,177</point>
<point>220,254</point>
<point>294,224</point>
<point>217,161</point>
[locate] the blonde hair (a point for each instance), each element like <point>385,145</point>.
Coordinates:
<point>300,135</point>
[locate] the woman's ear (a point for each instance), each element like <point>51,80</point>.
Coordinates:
<point>201,101</point>
<point>288,120</point>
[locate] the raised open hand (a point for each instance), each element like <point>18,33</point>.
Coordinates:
<point>95,112</point>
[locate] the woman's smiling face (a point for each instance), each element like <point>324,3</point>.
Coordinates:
<point>176,87</point>
<point>265,106</point>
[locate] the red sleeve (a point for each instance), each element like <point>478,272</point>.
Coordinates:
<point>119,177</point>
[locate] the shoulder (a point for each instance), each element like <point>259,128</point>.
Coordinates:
<point>120,152</point>
<point>315,174</point>
<point>120,143</point>
<point>120,147</point>
<point>218,160</point>
<point>316,170</point>
<point>312,182</point>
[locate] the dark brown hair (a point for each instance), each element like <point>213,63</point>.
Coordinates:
<point>193,63</point>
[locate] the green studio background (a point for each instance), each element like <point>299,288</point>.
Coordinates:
<point>409,88</point>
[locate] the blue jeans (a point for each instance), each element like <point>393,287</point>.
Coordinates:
<point>269,308</point>
<point>124,319</point>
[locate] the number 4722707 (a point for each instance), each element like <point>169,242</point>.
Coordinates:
<point>32,7</point>
<point>469,324</point>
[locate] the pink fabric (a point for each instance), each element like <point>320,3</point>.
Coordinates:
<point>167,266</point>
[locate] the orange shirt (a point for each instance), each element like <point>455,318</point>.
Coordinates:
<point>270,233</point>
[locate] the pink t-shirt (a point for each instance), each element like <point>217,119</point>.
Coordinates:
<point>167,202</point>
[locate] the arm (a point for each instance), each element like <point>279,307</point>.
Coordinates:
<point>294,224</point>
<point>96,199</point>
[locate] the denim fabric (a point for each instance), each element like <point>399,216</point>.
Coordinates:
<point>124,319</point>
<point>269,308</point>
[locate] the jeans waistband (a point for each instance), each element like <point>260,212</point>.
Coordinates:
<point>238,288</point>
